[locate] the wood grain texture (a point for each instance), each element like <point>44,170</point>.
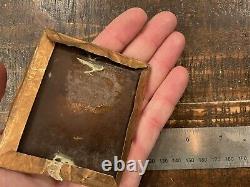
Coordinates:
<point>217,56</point>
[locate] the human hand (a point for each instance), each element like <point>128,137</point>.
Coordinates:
<point>155,42</point>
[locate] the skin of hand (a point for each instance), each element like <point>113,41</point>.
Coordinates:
<point>154,41</point>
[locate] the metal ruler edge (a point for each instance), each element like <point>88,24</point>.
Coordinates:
<point>201,148</point>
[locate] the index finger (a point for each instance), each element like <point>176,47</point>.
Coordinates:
<point>122,30</point>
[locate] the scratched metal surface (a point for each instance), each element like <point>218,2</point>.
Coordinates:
<point>217,56</point>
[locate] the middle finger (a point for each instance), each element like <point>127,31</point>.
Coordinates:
<point>149,40</point>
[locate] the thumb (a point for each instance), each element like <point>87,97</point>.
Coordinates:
<point>3,79</point>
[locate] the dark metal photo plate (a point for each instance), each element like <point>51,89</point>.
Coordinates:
<point>82,109</point>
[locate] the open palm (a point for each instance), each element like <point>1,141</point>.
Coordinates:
<point>154,41</point>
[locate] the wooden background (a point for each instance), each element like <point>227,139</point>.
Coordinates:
<point>217,56</point>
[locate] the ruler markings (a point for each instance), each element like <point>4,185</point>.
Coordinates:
<point>201,148</point>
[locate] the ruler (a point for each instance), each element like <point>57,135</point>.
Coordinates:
<point>201,148</point>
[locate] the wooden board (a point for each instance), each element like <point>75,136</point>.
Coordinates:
<point>217,56</point>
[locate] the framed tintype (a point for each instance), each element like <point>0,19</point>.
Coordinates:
<point>77,106</point>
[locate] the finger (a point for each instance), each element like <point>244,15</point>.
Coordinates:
<point>154,117</point>
<point>3,80</point>
<point>122,30</point>
<point>147,42</point>
<point>163,61</point>
<point>68,184</point>
<point>11,178</point>
<point>160,108</point>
